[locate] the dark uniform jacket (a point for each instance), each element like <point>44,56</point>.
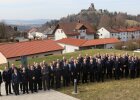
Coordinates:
<point>15,78</point>
<point>0,78</point>
<point>6,76</point>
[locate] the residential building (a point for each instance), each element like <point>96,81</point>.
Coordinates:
<point>79,30</point>
<point>124,34</point>
<point>72,44</point>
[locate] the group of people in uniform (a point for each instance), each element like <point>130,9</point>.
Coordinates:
<point>43,76</point>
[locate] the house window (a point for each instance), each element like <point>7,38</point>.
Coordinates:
<point>48,54</point>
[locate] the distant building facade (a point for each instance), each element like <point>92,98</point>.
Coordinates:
<point>79,30</point>
<point>123,34</point>
<point>72,44</point>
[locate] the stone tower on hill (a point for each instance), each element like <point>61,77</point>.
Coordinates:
<point>92,7</point>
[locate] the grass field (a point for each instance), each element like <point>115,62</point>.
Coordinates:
<point>132,22</point>
<point>75,54</point>
<point>124,89</point>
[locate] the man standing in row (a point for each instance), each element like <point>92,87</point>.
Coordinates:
<point>7,79</point>
<point>0,83</point>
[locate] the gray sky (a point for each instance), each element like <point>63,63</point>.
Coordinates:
<point>55,9</point>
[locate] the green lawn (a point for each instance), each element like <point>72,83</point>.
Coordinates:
<point>124,89</point>
<point>75,54</point>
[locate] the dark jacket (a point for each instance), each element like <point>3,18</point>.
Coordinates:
<point>15,78</point>
<point>0,78</point>
<point>6,76</point>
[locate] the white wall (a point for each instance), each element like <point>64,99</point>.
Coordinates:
<point>59,34</point>
<point>103,33</point>
<point>41,55</point>
<point>109,46</point>
<point>68,48</point>
<point>86,36</point>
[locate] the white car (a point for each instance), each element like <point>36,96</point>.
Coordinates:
<point>138,50</point>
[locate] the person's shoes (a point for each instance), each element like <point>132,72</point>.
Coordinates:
<point>0,95</point>
<point>11,93</point>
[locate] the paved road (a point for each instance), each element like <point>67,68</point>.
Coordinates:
<point>41,95</point>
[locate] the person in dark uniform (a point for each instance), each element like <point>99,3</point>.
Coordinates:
<point>76,72</point>
<point>32,80</point>
<point>125,65</point>
<point>20,71</point>
<point>7,79</point>
<point>25,78</point>
<point>0,83</point>
<point>92,70</point>
<point>117,67</point>
<point>65,74</point>
<point>84,70</point>
<point>137,62</point>
<point>109,67</point>
<point>57,76</point>
<point>52,69</point>
<point>132,67</point>
<point>99,71</point>
<point>48,69</point>
<point>44,75</point>
<point>71,66</point>
<point>38,76</point>
<point>16,81</point>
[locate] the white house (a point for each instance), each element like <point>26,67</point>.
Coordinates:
<point>124,34</point>
<point>79,30</point>
<point>34,33</point>
<point>72,44</point>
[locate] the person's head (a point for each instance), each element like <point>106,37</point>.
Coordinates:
<point>84,60</point>
<point>32,68</point>
<point>24,70</point>
<point>91,61</point>
<point>13,66</point>
<point>57,65</point>
<point>6,68</point>
<point>99,61</point>
<point>20,66</point>
<point>117,58</point>
<point>51,64</point>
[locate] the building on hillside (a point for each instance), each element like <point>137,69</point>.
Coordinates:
<point>72,44</point>
<point>79,30</point>
<point>35,34</point>
<point>31,49</point>
<point>124,34</point>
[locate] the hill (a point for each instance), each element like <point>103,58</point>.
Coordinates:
<point>100,18</point>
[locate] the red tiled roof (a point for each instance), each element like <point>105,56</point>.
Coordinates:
<point>128,29</point>
<point>100,41</point>
<point>70,28</point>
<point>29,48</point>
<point>72,41</point>
<point>111,30</point>
<point>84,43</point>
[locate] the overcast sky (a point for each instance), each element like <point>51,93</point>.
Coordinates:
<point>55,9</point>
